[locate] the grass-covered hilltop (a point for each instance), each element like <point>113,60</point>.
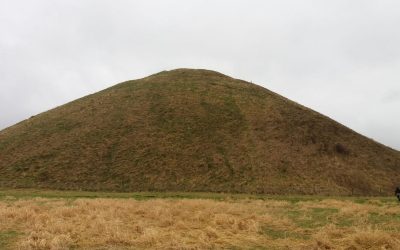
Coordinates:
<point>193,130</point>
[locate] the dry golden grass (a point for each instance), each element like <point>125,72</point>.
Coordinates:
<point>43,223</point>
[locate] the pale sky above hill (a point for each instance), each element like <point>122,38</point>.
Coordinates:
<point>338,57</point>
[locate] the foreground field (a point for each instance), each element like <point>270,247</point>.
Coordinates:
<point>78,220</point>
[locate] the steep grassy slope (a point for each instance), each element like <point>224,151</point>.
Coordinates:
<point>193,130</point>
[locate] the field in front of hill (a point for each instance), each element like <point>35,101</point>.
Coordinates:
<point>39,219</point>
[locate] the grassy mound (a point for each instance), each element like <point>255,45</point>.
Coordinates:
<point>193,130</point>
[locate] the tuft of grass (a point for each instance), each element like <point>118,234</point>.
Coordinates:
<point>7,238</point>
<point>283,234</point>
<point>317,217</point>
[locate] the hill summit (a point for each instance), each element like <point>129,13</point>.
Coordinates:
<point>193,130</point>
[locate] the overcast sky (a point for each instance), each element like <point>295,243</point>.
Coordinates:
<point>340,58</point>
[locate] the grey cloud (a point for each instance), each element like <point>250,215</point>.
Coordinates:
<point>340,58</point>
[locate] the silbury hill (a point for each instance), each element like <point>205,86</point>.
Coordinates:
<point>193,130</point>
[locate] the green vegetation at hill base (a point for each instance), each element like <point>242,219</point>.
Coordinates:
<point>56,194</point>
